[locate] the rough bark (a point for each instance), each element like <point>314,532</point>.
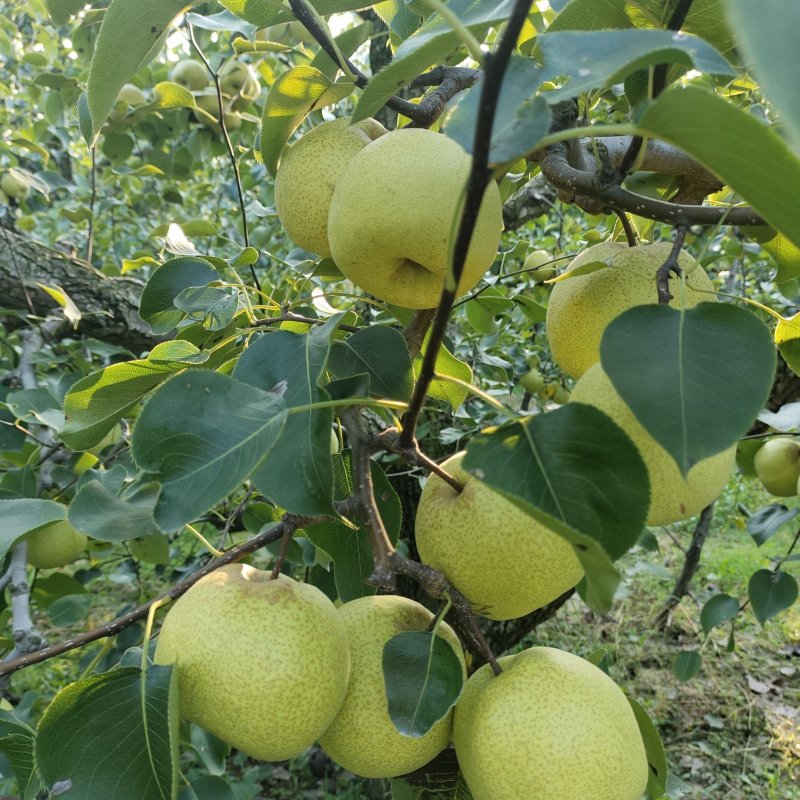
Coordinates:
<point>109,305</point>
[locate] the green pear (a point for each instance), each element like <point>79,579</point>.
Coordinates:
<point>746,450</point>
<point>534,262</point>
<point>551,726</point>
<point>672,497</point>
<point>394,216</point>
<point>362,737</point>
<point>502,560</point>
<point>307,174</point>
<point>777,464</point>
<point>55,545</point>
<point>532,381</point>
<point>262,664</point>
<point>190,74</point>
<point>581,307</point>
<point>240,82</point>
<point>210,104</point>
<point>14,185</point>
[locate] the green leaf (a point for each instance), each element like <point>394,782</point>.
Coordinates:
<point>179,351</point>
<point>347,42</point>
<point>96,403</point>
<point>69,610</point>
<point>349,549</point>
<point>768,520</point>
<point>18,517</point>
<point>686,665</point>
<point>297,475</point>
<point>209,787</point>
<point>676,369</point>
<point>213,306</point>
<point>129,718</point>
<point>654,750</point>
<point>430,44</point>
<point>18,483</point>
<point>446,365</point>
<point>18,749</point>
<point>270,12</point>
<point>762,30</point>
<point>577,472</point>
<point>745,154</point>
<point>770,593</point>
<point>593,59</point>
<point>787,257</point>
<point>202,456</point>
<point>380,352</point>
<point>113,517</point>
<point>157,304</point>
<point>423,677</point>
<point>718,609</point>
<point>131,33</point>
<point>787,339</point>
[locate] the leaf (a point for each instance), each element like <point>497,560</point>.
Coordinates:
<point>129,718</point>
<point>18,483</point>
<point>745,154</point>
<point>575,471</point>
<point>113,517</point>
<point>381,352</point>
<point>18,749</point>
<point>69,610</point>
<point>592,59</point>
<point>786,255</point>
<point>297,475</point>
<point>348,548</point>
<point>213,306</point>
<point>179,351</point>
<point>348,42</point>
<point>430,44</point>
<point>18,517</point>
<point>201,457</point>
<point>447,365</point>
<point>717,610</point>
<point>131,33</point>
<point>96,403</point>
<point>768,520</point>
<point>209,787</point>
<point>423,677</point>
<point>686,665</point>
<point>770,593</point>
<point>157,304</point>
<point>676,369</point>
<point>762,30</point>
<point>654,750</point>
<point>787,340</point>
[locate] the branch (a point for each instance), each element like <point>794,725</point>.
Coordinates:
<point>26,638</point>
<point>415,331</point>
<point>535,198</point>
<point>390,440</point>
<point>670,266</point>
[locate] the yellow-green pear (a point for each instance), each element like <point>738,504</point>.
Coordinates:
<point>308,173</point>
<point>190,74</point>
<point>581,307</point>
<point>503,561</point>
<point>263,664</point>
<point>363,738</point>
<point>532,381</point>
<point>55,545</point>
<point>551,726</point>
<point>394,216</point>
<point>14,185</point>
<point>209,102</point>
<point>777,464</point>
<point>672,497</point>
<point>535,261</point>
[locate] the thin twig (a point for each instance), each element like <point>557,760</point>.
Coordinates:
<point>284,549</point>
<point>670,266</point>
<point>390,440</point>
<point>415,331</point>
<point>290,316</point>
<point>630,233</point>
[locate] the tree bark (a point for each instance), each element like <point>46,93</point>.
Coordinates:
<point>109,306</point>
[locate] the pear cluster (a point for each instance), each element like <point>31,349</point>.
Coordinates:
<point>385,207</point>
<point>580,309</point>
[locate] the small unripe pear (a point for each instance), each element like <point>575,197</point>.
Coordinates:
<point>777,465</point>
<point>532,381</point>
<point>190,74</point>
<point>14,186</point>
<point>55,545</point>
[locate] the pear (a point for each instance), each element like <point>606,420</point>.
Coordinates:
<point>551,726</point>
<point>14,185</point>
<point>672,497</point>
<point>262,664</point>
<point>535,261</point>
<point>394,216</point>
<point>502,560</point>
<point>363,738</point>
<point>777,464</point>
<point>581,307</point>
<point>190,74</point>
<point>308,173</point>
<point>55,545</point>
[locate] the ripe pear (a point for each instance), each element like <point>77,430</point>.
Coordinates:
<point>307,174</point>
<point>394,216</point>
<point>503,561</point>
<point>551,726</point>
<point>580,308</point>
<point>363,738</point>
<point>262,664</point>
<point>777,465</point>
<point>55,545</point>
<point>672,497</point>
<point>190,74</point>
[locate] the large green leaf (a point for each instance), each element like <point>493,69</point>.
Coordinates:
<point>762,31</point>
<point>113,735</point>
<point>200,435</point>
<point>18,749</point>
<point>747,155</point>
<point>592,59</point>
<point>18,517</point>
<point>131,34</point>
<point>771,592</point>
<point>297,474</point>
<point>434,40</point>
<point>577,472</point>
<point>113,517</point>
<point>694,378</point>
<point>447,365</point>
<point>423,677</point>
